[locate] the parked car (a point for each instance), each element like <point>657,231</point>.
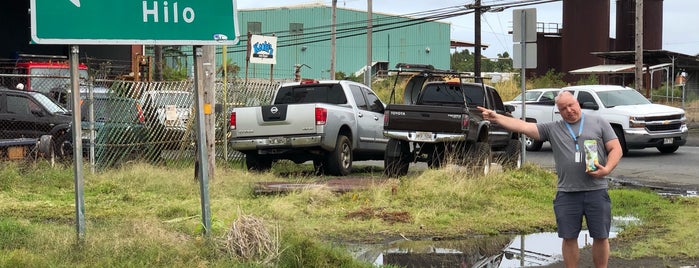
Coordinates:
<point>119,125</point>
<point>167,115</point>
<point>29,114</point>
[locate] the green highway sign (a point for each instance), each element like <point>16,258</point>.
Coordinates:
<point>138,22</point>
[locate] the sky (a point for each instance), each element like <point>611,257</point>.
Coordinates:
<point>680,20</point>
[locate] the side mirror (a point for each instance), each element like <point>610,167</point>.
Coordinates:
<point>509,108</point>
<point>590,105</point>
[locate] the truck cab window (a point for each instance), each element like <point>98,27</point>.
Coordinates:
<point>375,105</point>
<point>358,97</point>
<point>584,97</point>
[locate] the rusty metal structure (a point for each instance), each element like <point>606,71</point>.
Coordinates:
<point>652,25</point>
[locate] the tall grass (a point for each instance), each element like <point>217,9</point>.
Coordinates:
<point>142,215</point>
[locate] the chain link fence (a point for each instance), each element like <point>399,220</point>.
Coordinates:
<point>131,121</point>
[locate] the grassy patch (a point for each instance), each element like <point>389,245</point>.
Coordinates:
<point>142,215</point>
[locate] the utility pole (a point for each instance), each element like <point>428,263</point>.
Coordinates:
<point>332,40</point>
<point>477,47</point>
<point>639,45</point>
<point>367,71</point>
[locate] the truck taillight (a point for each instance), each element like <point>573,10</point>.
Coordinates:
<point>464,121</point>
<point>232,121</point>
<point>385,118</point>
<point>321,115</point>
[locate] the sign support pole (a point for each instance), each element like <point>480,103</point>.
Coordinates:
<point>203,167</point>
<point>77,144</point>
<point>523,77</point>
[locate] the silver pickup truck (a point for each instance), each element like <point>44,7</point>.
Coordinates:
<point>330,122</point>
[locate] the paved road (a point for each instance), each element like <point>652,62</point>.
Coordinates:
<point>648,167</point>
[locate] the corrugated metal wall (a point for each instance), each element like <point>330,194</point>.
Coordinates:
<point>426,43</point>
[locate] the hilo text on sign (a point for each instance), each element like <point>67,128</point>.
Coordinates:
<point>134,22</point>
<point>153,12</point>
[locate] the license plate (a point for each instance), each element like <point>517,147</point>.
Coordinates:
<point>424,136</point>
<point>277,140</point>
<point>668,140</point>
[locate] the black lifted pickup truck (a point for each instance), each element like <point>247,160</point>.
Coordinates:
<point>438,123</point>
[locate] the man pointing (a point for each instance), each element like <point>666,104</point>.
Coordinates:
<point>580,191</point>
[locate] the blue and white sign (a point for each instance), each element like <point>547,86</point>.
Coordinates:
<point>263,49</point>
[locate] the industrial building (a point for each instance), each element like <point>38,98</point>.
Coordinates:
<point>304,39</point>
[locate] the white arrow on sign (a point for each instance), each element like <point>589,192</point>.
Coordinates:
<point>75,2</point>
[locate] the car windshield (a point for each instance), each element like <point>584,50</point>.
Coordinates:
<point>44,79</point>
<point>621,97</point>
<point>529,96</point>
<point>51,106</point>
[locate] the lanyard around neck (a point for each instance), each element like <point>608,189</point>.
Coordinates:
<point>575,138</point>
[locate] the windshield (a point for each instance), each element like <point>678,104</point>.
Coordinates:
<point>621,97</point>
<point>44,79</point>
<point>529,96</point>
<point>51,106</point>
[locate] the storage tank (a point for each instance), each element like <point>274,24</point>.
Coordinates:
<point>585,30</point>
<point>626,21</point>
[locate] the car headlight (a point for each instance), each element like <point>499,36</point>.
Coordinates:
<point>637,122</point>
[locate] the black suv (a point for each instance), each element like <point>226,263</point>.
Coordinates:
<point>28,114</point>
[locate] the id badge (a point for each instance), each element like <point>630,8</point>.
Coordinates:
<point>577,157</point>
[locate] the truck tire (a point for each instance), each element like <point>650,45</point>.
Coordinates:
<point>257,163</point>
<point>397,161</point>
<point>480,158</point>
<point>512,158</point>
<point>339,161</point>
<point>532,144</point>
<point>622,140</point>
<point>46,148</point>
<point>668,149</point>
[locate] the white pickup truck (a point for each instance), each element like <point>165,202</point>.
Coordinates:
<point>637,122</point>
<point>329,122</point>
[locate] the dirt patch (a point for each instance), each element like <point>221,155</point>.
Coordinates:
<point>387,216</point>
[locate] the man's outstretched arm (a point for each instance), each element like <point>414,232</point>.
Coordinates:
<point>510,123</point>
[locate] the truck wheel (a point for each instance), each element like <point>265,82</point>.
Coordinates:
<point>480,158</point>
<point>396,163</point>
<point>512,158</point>
<point>339,161</point>
<point>668,149</point>
<point>622,140</point>
<point>258,163</point>
<point>47,148</point>
<point>532,144</point>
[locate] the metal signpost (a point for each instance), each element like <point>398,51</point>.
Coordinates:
<point>135,22</point>
<point>524,54</point>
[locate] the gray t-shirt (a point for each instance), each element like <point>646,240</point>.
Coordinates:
<point>571,174</point>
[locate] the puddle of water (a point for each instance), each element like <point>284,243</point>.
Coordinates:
<point>485,251</point>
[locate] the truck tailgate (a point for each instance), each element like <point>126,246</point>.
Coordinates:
<point>275,120</point>
<point>413,117</point>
